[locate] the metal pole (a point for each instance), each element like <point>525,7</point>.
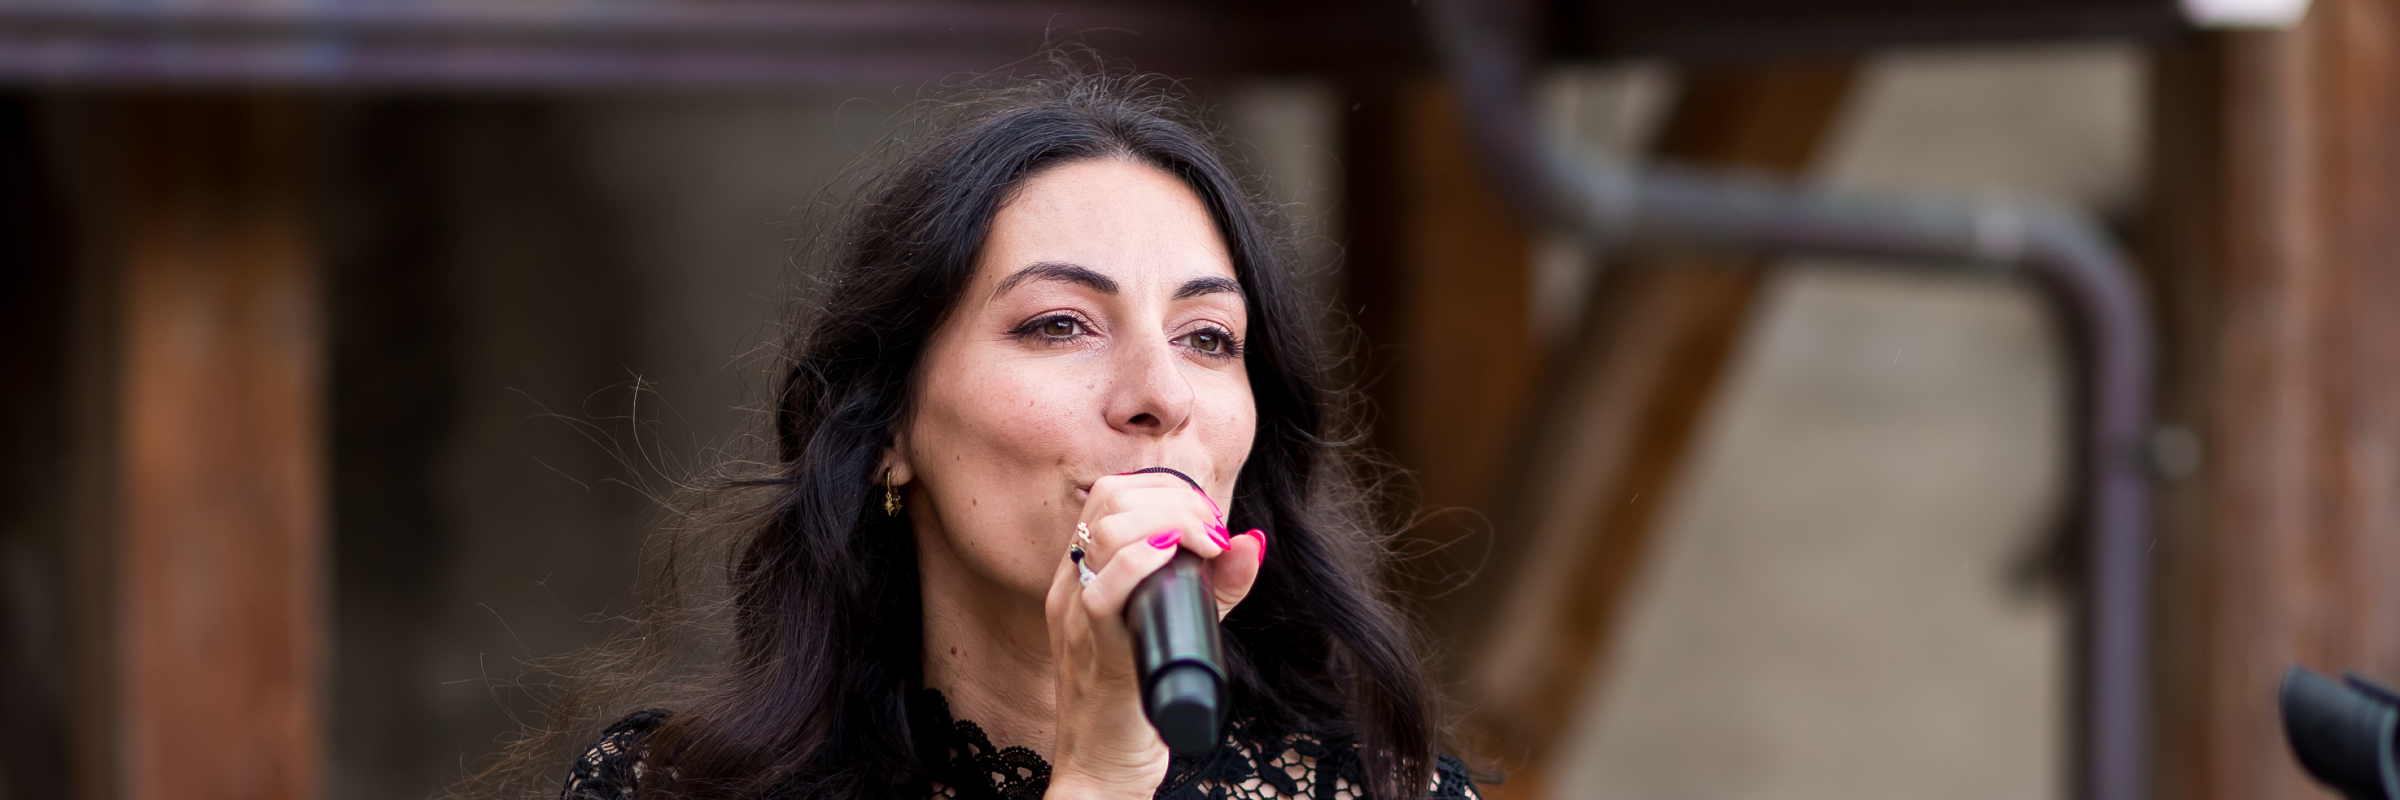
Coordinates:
<point>2083,273</point>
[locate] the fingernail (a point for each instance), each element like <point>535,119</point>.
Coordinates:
<point>1212,504</point>
<point>1217,534</point>
<point>1166,538</point>
<point>1262,543</point>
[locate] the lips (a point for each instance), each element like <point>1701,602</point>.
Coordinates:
<point>1083,488</point>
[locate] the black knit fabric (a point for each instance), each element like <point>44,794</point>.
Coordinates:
<point>963,764</point>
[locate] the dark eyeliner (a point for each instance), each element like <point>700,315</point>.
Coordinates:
<point>1233,344</point>
<point>1032,329</point>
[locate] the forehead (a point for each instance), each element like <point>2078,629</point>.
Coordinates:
<point>1131,221</point>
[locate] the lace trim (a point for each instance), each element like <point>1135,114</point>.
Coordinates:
<point>965,765</point>
<point>1249,766</point>
<point>972,768</point>
<point>613,766</point>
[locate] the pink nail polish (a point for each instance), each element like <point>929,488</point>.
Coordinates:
<point>1212,504</point>
<point>1217,534</point>
<point>1166,538</point>
<point>1262,543</point>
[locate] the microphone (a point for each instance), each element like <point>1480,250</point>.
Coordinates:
<point>1178,652</point>
<point>2346,734</point>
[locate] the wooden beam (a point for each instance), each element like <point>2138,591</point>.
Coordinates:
<point>1438,279</point>
<point>2272,245</point>
<point>849,45</point>
<point>34,587</point>
<point>1619,416</point>
<point>215,590</point>
<point>1755,31</point>
<point>553,45</point>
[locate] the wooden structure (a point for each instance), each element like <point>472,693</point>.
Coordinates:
<point>199,621</point>
<point>2276,180</point>
<point>219,573</point>
<point>201,577</point>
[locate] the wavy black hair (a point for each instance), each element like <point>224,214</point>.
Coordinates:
<point>811,699</point>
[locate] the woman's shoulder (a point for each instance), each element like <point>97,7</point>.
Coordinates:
<point>612,767</point>
<point>1451,781</point>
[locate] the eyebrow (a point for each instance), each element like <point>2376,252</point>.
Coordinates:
<point>1061,272</point>
<point>1212,285</point>
<point>1078,274</point>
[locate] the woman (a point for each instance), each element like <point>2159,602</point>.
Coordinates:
<point>1060,285</point>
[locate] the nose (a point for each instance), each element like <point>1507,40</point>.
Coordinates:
<point>1151,396</point>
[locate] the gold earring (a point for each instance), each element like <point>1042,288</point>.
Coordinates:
<point>891,494</point>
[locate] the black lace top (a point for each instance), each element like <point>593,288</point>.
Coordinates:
<point>1248,767</point>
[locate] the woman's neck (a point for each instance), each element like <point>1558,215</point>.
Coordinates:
<point>988,650</point>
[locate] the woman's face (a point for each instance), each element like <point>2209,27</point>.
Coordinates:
<point>1102,333</point>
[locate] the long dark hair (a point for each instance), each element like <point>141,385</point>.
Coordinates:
<point>825,647</point>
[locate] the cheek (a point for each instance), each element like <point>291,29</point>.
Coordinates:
<point>1014,412</point>
<point>1230,419</point>
<point>988,441</point>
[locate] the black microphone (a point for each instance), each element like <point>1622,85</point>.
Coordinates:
<point>2346,734</point>
<point>1177,650</point>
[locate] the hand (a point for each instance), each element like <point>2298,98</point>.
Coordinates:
<point>1106,747</point>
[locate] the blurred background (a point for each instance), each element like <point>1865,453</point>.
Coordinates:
<point>344,341</point>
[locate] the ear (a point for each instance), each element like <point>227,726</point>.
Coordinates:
<point>895,470</point>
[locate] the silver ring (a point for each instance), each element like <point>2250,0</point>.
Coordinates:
<point>1075,553</point>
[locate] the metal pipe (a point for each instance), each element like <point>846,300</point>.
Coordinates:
<point>2084,275</point>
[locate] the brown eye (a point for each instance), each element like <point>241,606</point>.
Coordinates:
<point>1060,328</point>
<point>1207,342</point>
